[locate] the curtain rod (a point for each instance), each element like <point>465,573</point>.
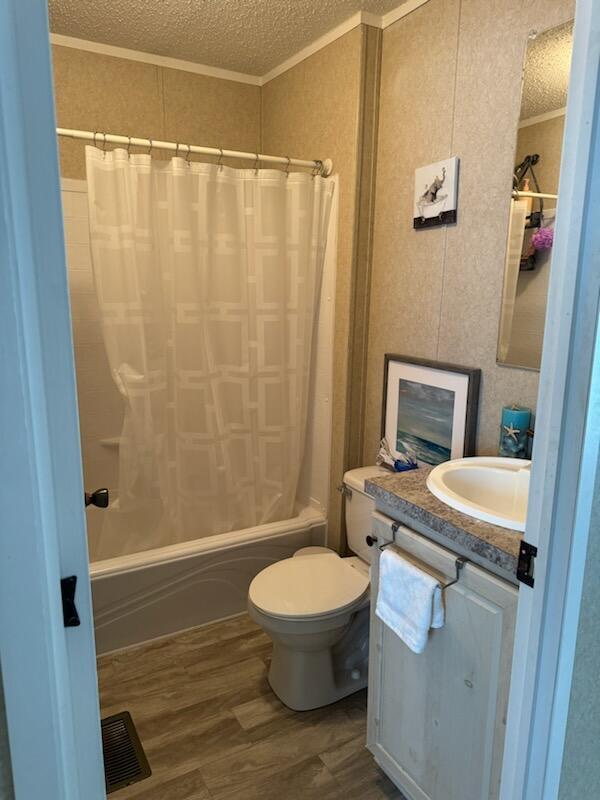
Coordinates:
<point>324,168</point>
<point>516,194</point>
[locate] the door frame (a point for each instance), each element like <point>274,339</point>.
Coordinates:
<point>565,447</point>
<point>48,671</point>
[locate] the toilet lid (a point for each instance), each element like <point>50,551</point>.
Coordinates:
<point>311,586</point>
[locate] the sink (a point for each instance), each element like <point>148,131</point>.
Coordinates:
<point>491,489</point>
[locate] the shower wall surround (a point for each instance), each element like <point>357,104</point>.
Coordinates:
<point>100,403</point>
<point>436,293</point>
<point>104,93</point>
<point>323,107</point>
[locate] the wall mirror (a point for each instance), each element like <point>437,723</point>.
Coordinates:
<point>533,202</point>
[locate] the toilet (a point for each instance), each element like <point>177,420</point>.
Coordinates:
<point>315,608</point>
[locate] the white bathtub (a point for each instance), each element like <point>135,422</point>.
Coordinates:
<point>150,594</point>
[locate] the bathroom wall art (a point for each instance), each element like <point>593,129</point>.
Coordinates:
<point>429,409</point>
<point>436,194</point>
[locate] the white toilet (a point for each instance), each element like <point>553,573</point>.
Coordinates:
<point>315,608</point>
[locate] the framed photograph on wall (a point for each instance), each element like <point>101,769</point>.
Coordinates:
<point>429,409</point>
<point>436,194</point>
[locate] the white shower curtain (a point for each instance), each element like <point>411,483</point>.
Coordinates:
<point>514,251</point>
<point>208,282</point>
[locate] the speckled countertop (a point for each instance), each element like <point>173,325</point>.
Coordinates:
<point>404,496</point>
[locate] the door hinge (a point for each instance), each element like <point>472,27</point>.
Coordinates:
<point>526,562</point>
<point>70,615</point>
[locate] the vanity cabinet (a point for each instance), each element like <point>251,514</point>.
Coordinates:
<point>437,720</point>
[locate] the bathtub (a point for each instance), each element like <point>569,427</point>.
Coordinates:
<point>158,592</point>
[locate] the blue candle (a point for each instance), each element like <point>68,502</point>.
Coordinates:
<point>513,431</point>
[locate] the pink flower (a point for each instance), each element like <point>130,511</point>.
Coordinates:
<point>543,239</point>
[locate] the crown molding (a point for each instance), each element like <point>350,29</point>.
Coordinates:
<point>335,33</point>
<point>558,112</point>
<point>360,18</point>
<point>402,11</point>
<point>151,58</point>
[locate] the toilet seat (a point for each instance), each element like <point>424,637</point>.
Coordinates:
<point>307,588</point>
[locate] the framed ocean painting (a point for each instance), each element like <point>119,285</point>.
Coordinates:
<point>429,409</point>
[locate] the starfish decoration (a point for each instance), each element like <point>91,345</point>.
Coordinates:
<point>511,432</point>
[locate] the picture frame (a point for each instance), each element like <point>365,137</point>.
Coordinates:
<point>436,194</point>
<point>429,408</point>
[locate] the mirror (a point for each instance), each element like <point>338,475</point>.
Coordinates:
<point>533,201</point>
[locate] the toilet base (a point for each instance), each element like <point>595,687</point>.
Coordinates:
<point>296,692</point>
<point>304,679</point>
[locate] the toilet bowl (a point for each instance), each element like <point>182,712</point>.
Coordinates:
<point>315,608</point>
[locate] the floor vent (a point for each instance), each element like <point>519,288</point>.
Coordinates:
<point>124,759</point>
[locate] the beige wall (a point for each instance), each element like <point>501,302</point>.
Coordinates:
<point>103,93</point>
<point>546,139</point>
<point>315,110</point>
<point>450,85</point>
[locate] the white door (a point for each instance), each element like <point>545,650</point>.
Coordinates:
<point>565,447</point>
<point>48,670</point>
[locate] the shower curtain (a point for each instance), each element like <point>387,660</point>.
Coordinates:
<point>208,282</point>
<point>514,248</point>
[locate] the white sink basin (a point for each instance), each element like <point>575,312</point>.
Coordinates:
<point>491,489</point>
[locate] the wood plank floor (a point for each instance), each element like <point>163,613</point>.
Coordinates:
<point>213,729</point>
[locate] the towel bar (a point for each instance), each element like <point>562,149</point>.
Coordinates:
<point>459,564</point>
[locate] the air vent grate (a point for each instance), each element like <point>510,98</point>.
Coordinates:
<point>124,758</point>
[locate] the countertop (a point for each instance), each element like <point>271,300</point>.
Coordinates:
<point>404,496</point>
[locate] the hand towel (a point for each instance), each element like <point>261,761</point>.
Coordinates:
<point>409,600</point>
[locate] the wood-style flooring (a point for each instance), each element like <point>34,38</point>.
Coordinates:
<point>212,728</point>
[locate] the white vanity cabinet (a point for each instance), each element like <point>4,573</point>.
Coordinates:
<point>437,720</point>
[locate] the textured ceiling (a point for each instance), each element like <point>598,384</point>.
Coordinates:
<point>547,71</point>
<point>251,36</point>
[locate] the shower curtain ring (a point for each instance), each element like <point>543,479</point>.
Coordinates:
<point>287,168</point>
<point>317,168</point>
<point>129,147</point>
<point>256,163</point>
<point>189,153</point>
<point>220,161</point>
<point>149,153</point>
<point>95,140</point>
<point>103,145</point>
<point>176,149</point>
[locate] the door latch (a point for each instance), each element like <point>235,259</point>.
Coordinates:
<point>526,562</point>
<point>70,615</point>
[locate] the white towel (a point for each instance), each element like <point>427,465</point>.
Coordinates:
<point>409,600</point>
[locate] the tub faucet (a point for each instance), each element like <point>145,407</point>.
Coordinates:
<point>98,498</point>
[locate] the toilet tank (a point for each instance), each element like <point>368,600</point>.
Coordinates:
<point>359,507</point>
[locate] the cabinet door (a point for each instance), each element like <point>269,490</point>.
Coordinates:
<point>437,720</point>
